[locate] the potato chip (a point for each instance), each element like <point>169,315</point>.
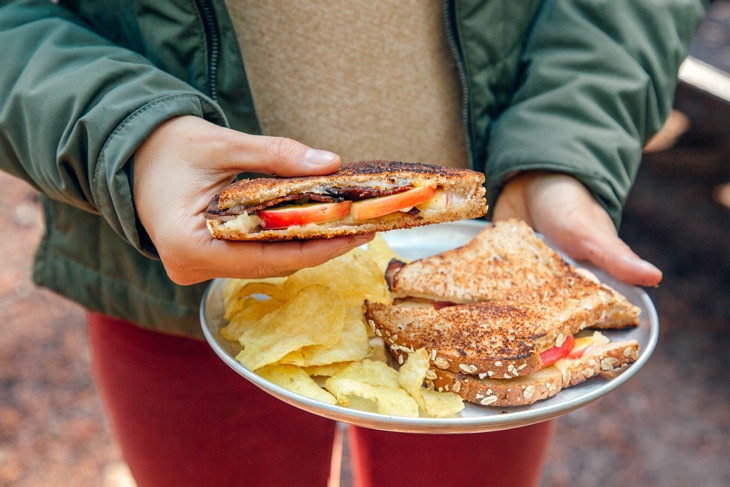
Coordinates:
<point>379,251</point>
<point>311,324</point>
<point>250,310</point>
<point>376,382</point>
<point>314,316</point>
<point>295,379</point>
<point>354,276</point>
<point>377,351</point>
<point>435,404</point>
<point>325,370</point>
<point>440,404</point>
<point>233,296</point>
<point>353,345</point>
<point>278,291</point>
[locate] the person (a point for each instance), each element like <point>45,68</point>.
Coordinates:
<point>128,117</point>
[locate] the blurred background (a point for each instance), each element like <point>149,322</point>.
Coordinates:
<point>668,426</point>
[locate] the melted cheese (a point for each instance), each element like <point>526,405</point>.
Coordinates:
<point>244,223</point>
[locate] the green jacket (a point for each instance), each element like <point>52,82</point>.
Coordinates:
<point>567,85</point>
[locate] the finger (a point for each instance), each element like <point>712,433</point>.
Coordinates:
<point>569,217</point>
<point>594,239</point>
<point>614,256</point>
<point>253,260</point>
<point>307,254</point>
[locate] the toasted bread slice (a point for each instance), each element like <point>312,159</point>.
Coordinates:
<point>500,339</point>
<point>607,361</point>
<point>508,262</point>
<point>232,215</point>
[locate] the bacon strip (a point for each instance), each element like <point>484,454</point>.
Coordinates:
<point>352,193</point>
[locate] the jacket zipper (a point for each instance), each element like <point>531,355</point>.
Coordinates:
<point>212,35</point>
<point>456,51</point>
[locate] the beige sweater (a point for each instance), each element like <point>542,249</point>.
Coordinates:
<point>367,80</point>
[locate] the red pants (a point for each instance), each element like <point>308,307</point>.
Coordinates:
<point>182,417</point>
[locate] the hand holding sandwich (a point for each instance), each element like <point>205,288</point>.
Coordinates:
<point>184,163</point>
<point>564,211</point>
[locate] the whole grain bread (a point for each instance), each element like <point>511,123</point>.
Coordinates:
<point>500,339</point>
<point>606,361</point>
<point>507,261</point>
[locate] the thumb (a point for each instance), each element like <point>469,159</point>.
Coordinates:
<point>208,146</point>
<point>286,157</point>
<point>271,155</point>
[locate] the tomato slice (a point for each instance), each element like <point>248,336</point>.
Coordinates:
<point>552,355</point>
<point>384,205</point>
<point>287,216</point>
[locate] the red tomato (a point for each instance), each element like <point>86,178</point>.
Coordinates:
<point>384,205</point>
<point>287,216</point>
<point>552,355</point>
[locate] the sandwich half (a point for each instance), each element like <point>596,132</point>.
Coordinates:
<point>362,197</point>
<point>494,339</point>
<point>503,318</point>
<point>507,261</point>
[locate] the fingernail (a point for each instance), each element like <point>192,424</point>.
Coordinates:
<point>319,157</point>
<point>645,265</point>
<point>648,266</point>
<point>652,275</point>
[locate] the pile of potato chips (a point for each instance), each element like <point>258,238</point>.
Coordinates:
<point>307,333</point>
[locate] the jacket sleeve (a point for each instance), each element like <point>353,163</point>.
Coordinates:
<point>74,107</point>
<point>598,81</point>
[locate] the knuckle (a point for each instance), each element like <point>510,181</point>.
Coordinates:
<point>263,270</point>
<point>281,148</point>
<point>222,144</point>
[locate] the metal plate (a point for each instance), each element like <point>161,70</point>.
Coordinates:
<point>421,242</point>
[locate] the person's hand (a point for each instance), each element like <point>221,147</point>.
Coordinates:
<point>184,163</point>
<point>564,211</point>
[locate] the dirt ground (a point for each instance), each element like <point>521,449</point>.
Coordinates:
<point>668,426</point>
<point>52,431</point>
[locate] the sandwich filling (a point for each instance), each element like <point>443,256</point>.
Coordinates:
<point>346,205</point>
